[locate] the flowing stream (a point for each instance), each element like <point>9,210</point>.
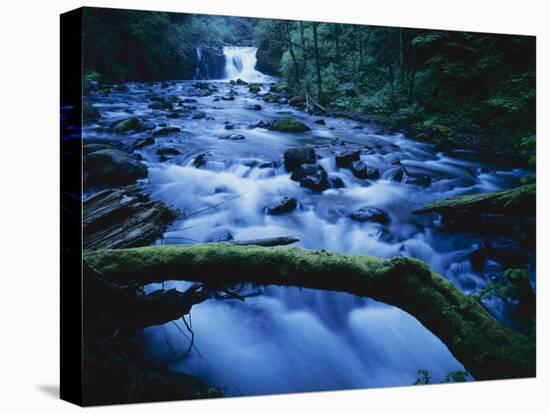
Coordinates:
<point>289,339</point>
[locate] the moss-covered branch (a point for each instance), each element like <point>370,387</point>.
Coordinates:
<point>517,202</point>
<point>485,347</point>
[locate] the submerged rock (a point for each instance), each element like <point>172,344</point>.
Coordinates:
<point>166,131</point>
<point>143,142</point>
<point>232,137</point>
<point>111,167</point>
<point>294,157</point>
<point>254,107</point>
<point>199,160</point>
<point>168,151</point>
<point>336,182</point>
<point>288,125</point>
<point>369,213</point>
<point>282,205</point>
<point>219,235</point>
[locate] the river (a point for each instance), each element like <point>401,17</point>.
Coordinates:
<point>288,339</point>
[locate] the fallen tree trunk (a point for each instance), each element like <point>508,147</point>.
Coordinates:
<point>110,308</point>
<point>485,347</point>
<point>268,242</point>
<point>517,202</point>
<point>124,217</point>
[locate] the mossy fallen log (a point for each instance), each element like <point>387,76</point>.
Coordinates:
<point>485,347</point>
<point>517,202</point>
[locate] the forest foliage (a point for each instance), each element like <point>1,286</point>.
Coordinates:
<point>440,86</point>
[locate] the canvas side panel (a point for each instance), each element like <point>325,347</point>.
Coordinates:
<point>71,206</point>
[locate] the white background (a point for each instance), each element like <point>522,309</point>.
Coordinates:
<point>29,96</point>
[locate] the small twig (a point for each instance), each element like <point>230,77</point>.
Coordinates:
<point>194,213</point>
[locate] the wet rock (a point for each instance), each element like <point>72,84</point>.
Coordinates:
<point>143,142</point>
<point>232,137</point>
<point>253,107</point>
<point>90,113</point>
<point>294,157</point>
<point>229,126</point>
<point>504,250</point>
<point>227,98</point>
<point>336,182</point>
<point>360,170</point>
<point>161,105</point>
<point>189,100</point>
<point>254,89</point>
<point>398,174</point>
<point>111,168</point>
<point>129,125</point>
<point>89,148</point>
<point>282,101</point>
<point>219,235</point>
<point>369,213</point>
<point>313,177</point>
<point>240,82</point>
<point>320,122</point>
<point>344,159</point>
<point>137,157</point>
<point>166,131</point>
<point>199,115</point>
<point>269,98</point>
<point>269,164</point>
<point>168,151</point>
<point>174,114</point>
<point>199,160</point>
<point>202,85</point>
<point>282,205</point>
<point>288,125</point>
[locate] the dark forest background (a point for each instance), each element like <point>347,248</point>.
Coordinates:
<point>447,86</point>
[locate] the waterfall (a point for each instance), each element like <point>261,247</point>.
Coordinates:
<point>240,63</point>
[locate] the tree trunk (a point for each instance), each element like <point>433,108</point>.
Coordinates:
<point>486,348</point>
<point>317,61</point>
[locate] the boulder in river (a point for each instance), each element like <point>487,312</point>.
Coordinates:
<point>199,160</point>
<point>282,205</point>
<point>369,213</point>
<point>254,88</point>
<point>260,124</point>
<point>166,131</point>
<point>227,98</point>
<point>232,137</point>
<point>320,121</point>
<point>143,142</point>
<point>504,250</point>
<point>288,125</point>
<point>129,125</point>
<point>111,167</point>
<point>344,159</point>
<point>313,177</point>
<point>361,170</point>
<point>294,157</point>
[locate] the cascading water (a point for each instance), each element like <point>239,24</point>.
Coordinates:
<point>240,63</point>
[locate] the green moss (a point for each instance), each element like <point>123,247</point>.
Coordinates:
<point>518,201</point>
<point>486,348</point>
<point>288,125</point>
<point>127,125</point>
<point>254,88</point>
